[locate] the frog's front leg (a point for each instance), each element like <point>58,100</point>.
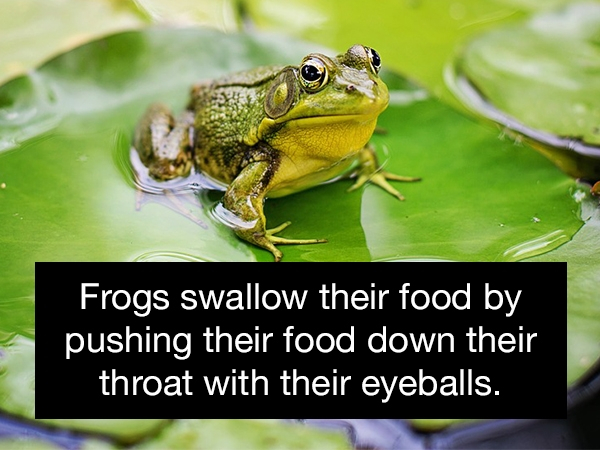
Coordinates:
<point>164,143</point>
<point>245,198</point>
<point>369,170</point>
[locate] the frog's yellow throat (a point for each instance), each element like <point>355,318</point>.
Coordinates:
<point>316,149</point>
<point>327,138</point>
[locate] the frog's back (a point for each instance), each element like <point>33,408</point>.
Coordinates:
<point>226,111</point>
<point>249,78</point>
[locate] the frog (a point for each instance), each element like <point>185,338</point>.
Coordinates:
<point>273,131</point>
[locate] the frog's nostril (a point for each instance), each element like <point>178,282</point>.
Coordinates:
<point>350,88</point>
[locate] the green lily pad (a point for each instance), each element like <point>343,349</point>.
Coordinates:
<point>244,434</point>
<point>543,71</point>
<point>17,397</point>
<point>35,30</point>
<point>68,193</point>
<point>539,77</point>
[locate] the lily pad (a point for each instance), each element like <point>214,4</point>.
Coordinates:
<point>33,30</point>
<point>17,397</point>
<point>539,77</point>
<point>244,434</point>
<point>68,191</point>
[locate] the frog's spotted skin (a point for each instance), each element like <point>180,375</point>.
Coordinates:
<point>273,131</point>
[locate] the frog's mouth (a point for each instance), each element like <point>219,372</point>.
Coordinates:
<point>342,126</point>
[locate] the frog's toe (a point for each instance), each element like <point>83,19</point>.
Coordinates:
<point>268,241</point>
<point>394,177</point>
<point>276,230</point>
<point>360,181</point>
<point>284,241</point>
<point>380,180</point>
<point>270,234</point>
<point>262,240</point>
<point>274,250</point>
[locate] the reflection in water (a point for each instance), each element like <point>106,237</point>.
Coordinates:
<point>138,174</point>
<point>181,195</point>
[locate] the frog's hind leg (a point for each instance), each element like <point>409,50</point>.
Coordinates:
<point>165,143</point>
<point>245,198</point>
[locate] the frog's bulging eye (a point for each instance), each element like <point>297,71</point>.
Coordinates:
<point>313,74</point>
<point>374,59</point>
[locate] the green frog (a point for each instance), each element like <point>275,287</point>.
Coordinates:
<point>273,131</point>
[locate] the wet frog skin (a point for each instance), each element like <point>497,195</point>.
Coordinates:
<point>273,131</point>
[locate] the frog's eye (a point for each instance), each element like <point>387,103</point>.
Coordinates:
<point>313,74</point>
<point>374,59</point>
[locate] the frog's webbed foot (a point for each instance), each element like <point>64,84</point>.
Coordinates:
<point>244,198</point>
<point>369,171</point>
<point>380,179</point>
<point>268,240</point>
<point>165,143</point>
